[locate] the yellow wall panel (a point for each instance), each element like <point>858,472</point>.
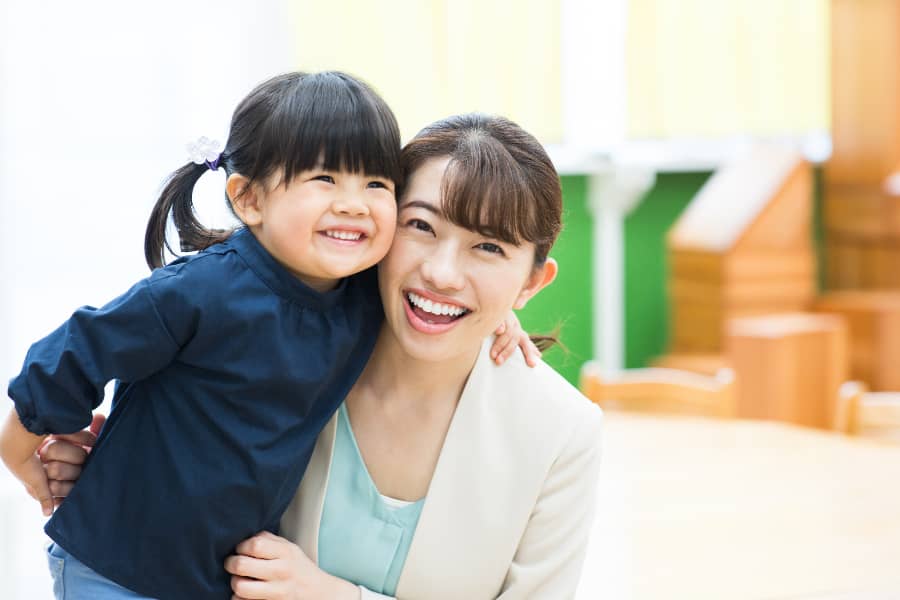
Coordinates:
<point>433,58</point>
<point>715,68</point>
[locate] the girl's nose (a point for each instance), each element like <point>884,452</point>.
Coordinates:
<point>350,204</point>
<point>442,268</point>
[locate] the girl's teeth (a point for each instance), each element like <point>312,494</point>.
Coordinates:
<point>435,308</point>
<point>344,235</point>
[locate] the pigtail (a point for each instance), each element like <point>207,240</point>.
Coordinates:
<point>177,199</point>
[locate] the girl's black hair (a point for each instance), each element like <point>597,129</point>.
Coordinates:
<point>290,123</point>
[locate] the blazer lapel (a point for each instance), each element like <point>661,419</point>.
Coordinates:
<point>442,563</point>
<point>305,513</point>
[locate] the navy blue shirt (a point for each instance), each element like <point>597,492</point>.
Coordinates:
<point>227,367</point>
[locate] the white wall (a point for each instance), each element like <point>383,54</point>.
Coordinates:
<point>97,101</point>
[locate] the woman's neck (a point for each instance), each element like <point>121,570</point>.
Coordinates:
<point>392,376</point>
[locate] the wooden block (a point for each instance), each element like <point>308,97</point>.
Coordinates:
<point>856,263</point>
<point>696,265</point>
<point>784,224</point>
<point>843,258</point>
<point>766,265</point>
<point>861,211</point>
<point>865,88</point>
<point>705,364</point>
<point>873,325</point>
<point>789,366</point>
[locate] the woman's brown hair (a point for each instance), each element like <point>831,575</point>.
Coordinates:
<point>500,181</point>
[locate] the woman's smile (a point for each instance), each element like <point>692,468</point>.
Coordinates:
<point>430,313</point>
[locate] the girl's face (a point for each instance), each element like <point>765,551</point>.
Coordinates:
<point>446,288</point>
<point>324,225</point>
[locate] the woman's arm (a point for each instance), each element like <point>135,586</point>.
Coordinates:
<point>269,567</point>
<point>548,561</point>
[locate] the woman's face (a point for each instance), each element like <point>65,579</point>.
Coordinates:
<point>445,288</point>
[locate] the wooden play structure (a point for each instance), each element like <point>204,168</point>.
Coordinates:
<point>742,247</point>
<point>862,177</point>
<point>874,415</point>
<point>669,391</point>
<point>743,289</point>
<point>873,325</point>
<point>790,366</point>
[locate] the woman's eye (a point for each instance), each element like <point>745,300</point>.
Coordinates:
<point>325,178</point>
<point>419,224</point>
<point>492,248</point>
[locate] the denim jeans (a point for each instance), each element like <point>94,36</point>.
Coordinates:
<point>72,580</point>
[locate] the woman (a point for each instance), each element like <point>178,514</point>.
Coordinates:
<point>443,475</point>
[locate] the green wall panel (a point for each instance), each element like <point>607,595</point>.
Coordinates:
<point>567,303</point>
<point>646,305</point>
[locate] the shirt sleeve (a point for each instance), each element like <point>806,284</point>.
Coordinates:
<point>64,374</point>
<point>548,561</point>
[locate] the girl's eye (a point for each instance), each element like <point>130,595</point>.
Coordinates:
<point>492,248</point>
<point>325,178</point>
<point>377,184</point>
<point>420,225</point>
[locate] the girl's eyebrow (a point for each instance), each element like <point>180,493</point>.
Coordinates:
<point>421,204</point>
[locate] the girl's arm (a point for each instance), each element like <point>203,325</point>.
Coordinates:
<point>18,448</point>
<point>548,561</point>
<point>135,335</point>
<point>63,457</point>
<point>509,336</point>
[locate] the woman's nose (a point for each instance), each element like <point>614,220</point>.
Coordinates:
<point>442,269</point>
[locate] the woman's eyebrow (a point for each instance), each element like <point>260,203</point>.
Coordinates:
<point>421,204</point>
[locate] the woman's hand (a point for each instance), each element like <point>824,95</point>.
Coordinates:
<point>268,567</point>
<point>510,335</point>
<point>63,456</point>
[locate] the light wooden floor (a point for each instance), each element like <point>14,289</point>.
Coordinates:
<point>700,508</point>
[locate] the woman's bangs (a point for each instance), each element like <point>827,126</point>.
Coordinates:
<point>485,191</point>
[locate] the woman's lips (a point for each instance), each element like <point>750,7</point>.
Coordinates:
<point>428,322</point>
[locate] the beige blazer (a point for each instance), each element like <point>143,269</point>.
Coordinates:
<point>510,504</point>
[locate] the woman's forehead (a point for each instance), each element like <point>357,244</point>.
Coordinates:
<point>427,180</point>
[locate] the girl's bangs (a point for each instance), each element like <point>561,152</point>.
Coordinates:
<point>336,124</point>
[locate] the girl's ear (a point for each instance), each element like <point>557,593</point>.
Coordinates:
<point>538,280</point>
<point>245,199</point>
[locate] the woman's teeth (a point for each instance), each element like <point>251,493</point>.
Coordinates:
<point>344,235</point>
<point>435,308</point>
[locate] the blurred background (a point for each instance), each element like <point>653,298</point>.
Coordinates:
<point>731,215</point>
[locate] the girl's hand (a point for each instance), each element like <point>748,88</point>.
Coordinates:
<point>268,567</point>
<point>509,336</point>
<point>64,455</point>
<point>18,450</point>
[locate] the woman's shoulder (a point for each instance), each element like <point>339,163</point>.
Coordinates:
<point>543,384</point>
<point>539,397</point>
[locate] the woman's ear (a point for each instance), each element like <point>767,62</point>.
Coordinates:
<point>245,199</point>
<point>540,278</point>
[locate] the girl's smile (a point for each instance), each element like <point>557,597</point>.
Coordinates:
<point>323,225</point>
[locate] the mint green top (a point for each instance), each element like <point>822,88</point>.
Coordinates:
<point>363,538</point>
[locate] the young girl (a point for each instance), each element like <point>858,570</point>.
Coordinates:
<point>229,362</point>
